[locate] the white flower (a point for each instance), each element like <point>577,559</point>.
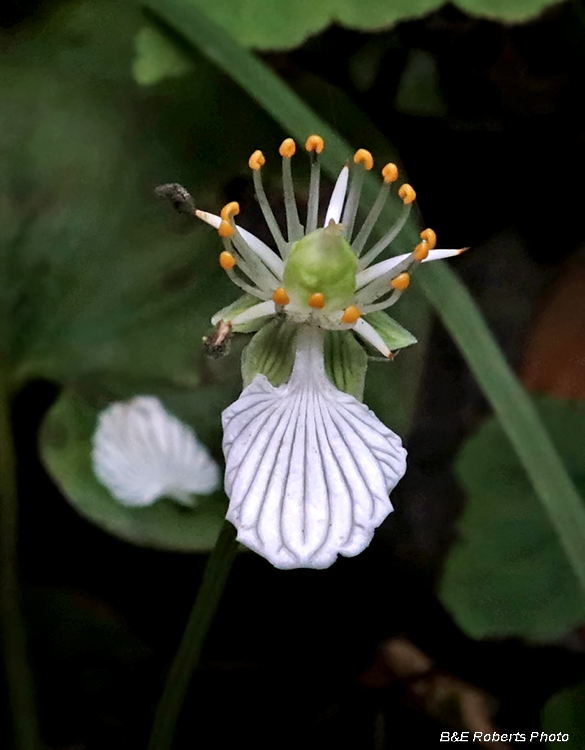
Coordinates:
<point>322,276</point>
<point>309,468</point>
<point>142,453</point>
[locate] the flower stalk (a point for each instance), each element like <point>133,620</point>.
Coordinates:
<point>188,654</point>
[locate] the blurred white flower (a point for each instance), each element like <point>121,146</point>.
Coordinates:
<point>142,453</point>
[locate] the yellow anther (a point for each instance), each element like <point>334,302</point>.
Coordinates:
<point>287,148</point>
<point>315,143</point>
<point>257,160</point>
<point>401,282</point>
<point>351,314</point>
<point>226,229</point>
<point>429,236</point>
<point>390,172</point>
<point>364,158</point>
<point>421,251</point>
<point>280,296</point>
<point>407,193</point>
<point>227,261</point>
<point>317,300</point>
<point>230,209</point>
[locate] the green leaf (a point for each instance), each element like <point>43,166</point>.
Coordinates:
<point>157,58</point>
<point>345,362</point>
<point>393,334</point>
<point>505,10</point>
<point>507,575</point>
<point>65,445</point>
<point>565,712</point>
<point>265,25</point>
<point>271,352</point>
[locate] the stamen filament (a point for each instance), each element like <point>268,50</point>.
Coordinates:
<point>231,252</point>
<point>395,265</point>
<point>382,244</point>
<point>353,200</point>
<point>260,275</point>
<point>245,286</point>
<point>373,273</point>
<point>379,286</point>
<point>265,253</point>
<point>268,213</point>
<point>293,222</point>
<point>384,304</point>
<point>314,186</point>
<point>371,219</point>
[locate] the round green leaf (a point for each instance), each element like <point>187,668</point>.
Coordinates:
<point>65,444</point>
<point>507,575</point>
<point>264,24</point>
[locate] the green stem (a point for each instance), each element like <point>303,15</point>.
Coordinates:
<point>189,652</point>
<point>453,303</point>
<point>18,674</point>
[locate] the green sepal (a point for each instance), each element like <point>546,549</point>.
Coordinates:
<point>345,362</point>
<point>243,303</point>
<point>393,334</point>
<point>271,352</point>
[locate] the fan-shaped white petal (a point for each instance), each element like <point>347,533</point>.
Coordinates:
<point>141,453</point>
<point>308,468</point>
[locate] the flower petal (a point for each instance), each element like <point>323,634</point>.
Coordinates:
<point>141,453</point>
<point>308,468</point>
<point>337,198</point>
<point>379,269</point>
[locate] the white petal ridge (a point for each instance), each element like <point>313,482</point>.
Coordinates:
<point>308,468</point>
<point>141,453</point>
<point>337,198</point>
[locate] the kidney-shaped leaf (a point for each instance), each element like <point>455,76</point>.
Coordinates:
<point>507,575</point>
<point>266,24</point>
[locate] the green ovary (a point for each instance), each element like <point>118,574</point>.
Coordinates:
<point>323,261</point>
